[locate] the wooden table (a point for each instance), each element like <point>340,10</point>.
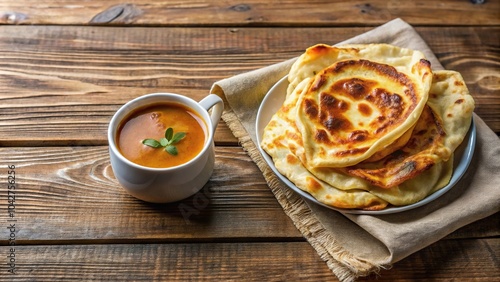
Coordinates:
<point>67,66</point>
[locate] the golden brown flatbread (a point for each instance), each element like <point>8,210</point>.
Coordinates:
<point>438,132</point>
<point>355,108</point>
<point>424,149</point>
<point>321,56</point>
<point>278,139</point>
<point>405,173</point>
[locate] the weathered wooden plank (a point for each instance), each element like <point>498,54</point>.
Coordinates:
<point>170,262</point>
<point>69,194</point>
<point>61,85</point>
<point>486,227</point>
<point>252,12</point>
<point>285,261</point>
<point>448,260</point>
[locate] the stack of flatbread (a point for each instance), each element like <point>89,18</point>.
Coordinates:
<point>368,126</point>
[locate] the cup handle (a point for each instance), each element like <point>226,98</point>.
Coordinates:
<point>215,102</point>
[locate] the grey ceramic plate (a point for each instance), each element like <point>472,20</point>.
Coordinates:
<point>275,98</point>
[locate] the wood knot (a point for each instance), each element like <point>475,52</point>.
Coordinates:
<point>365,8</point>
<point>240,8</point>
<point>122,13</point>
<point>12,18</point>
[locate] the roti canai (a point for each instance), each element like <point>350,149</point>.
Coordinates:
<point>402,171</point>
<point>355,108</point>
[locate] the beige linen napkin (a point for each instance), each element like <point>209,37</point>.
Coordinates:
<point>356,245</point>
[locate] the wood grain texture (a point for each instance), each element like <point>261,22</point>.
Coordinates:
<point>56,79</point>
<point>448,260</point>
<point>71,194</point>
<point>468,260</point>
<point>252,12</point>
<point>171,262</point>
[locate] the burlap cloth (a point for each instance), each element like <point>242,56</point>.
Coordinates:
<point>357,245</point>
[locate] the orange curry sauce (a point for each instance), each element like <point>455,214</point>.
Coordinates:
<point>151,122</point>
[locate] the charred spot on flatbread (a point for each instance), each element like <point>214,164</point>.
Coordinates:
<point>424,149</point>
<point>354,108</point>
